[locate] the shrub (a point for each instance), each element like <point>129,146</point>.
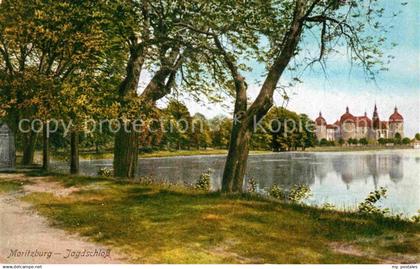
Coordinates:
<point>105,172</point>
<point>406,140</point>
<point>382,141</point>
<point>146,149</point>
<point>323,142</point>
<point>252,185</point>
<point>341,141</point>
<point>363,141</point>
<point>328,206</point>
<point>368,205</point>
<point>298,193</point>
<point>416,218</point>
<point>277,192</point>
<point>390,141</point>
<point>203,183</point>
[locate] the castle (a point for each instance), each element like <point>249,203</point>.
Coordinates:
<point>357,127</point>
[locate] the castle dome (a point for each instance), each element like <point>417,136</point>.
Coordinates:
<point>320,120</point>
<point>396,117</point>
<point>347,117</point>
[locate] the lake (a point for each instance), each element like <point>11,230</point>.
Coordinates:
<point>340,178</point>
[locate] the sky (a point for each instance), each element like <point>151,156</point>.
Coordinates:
<point>346,85</point>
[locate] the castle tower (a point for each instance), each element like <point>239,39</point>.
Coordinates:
<point>321,127</point>
<point>375,119</point>
<point>396,123</point>
<point>348,125</point>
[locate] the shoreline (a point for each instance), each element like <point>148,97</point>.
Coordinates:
<point>255,224</point>
<point>201,153</point>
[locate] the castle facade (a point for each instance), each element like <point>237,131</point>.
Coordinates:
<point>357,127</point>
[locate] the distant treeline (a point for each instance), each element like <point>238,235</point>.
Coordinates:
<point>174,128</point>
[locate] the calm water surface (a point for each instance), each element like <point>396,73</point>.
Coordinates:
<point>343,178</point>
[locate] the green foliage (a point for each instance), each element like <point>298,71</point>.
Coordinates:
<point>204,182</point>
<point>299,192</point>
<point>326,143</point>
<point>382,141</point>
<point>289,130</point>
<point>220,128</point>
<point>296,194</point>
<point>368,206</point>
<point>363,141</point>
<point>252,185</point>
<point>341,141</point>
<point>328,206</point>
<point>391,141</point>
<point>105,172</point>
<point>417,136</point>
<point>406,140</point>
<point>352,141</point>
<point>416,218</point>
<point>277,192</point>
<point>323,142</point>
<point>177,125</point>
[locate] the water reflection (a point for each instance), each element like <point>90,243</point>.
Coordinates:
<point>343,179</point>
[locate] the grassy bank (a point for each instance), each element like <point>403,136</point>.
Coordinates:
<point>172,224</point>
<point>154,154</point>
<point>9,186</point>
<point>355,148</point>
<point>164,153</point>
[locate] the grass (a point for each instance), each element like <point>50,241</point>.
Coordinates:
<point>166,153</point>
<point>210,151</point>
<point>154,154</point>
<point>355,148</point>
<point>173,224</point>
<point>9,186</point>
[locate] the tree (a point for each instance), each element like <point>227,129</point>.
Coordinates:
<point>417,136</point>
<point>200,131</point>
<point>50,49</point>
<point>363,141</point>
<point>406,140</point>
<point>285,129</point>
<point>382,141</point>
<point>220,128</point>
<point>397,138</point>
<point>178,125</point>
<point>157,40</point>
<point>341,141</point>
<point>283,24</point>
<point>308,128</point>
<point>323,142</point>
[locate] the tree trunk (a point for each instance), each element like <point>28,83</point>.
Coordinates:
<point>235,166</point>
<point>126,153</point>
<point>29,143</point>
<point>237,159</point>
<point>74,153</point>
<point>45,149</point>
<point>127,143</point>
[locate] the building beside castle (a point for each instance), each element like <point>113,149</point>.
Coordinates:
<point>357,127</point>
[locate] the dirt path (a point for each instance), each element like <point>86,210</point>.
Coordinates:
<point>26,237</point>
